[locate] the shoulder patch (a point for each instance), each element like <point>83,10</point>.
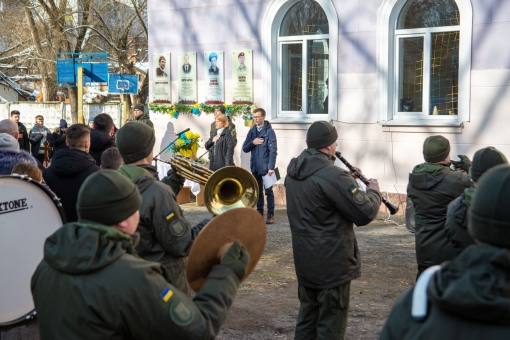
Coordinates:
<point>181,313</point>
<point>177,228</point>
<point>169,215</point>
<point>166,294</point>
<point>358,196</point>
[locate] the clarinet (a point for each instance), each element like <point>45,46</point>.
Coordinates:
<point>392,208</point>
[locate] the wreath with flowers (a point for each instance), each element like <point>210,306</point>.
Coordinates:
<point>174,110</point>
<point>187,144</point>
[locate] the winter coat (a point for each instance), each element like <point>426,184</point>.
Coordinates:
<point>263,156</point>
<point>468,299</point>
<point>456,221</point>
<point>222,151</point>
<point>323,203</point>
<point>9,159</point>
<point>144,119</point>
<point>24,143</point>
<point>68,170</point>
<point>37,138</point>
<point>165,235</point>
<point>231,126</point>
<point>91,285</point>
<point>431,188</point>
<point>99,142</point>
<point>59,138</point>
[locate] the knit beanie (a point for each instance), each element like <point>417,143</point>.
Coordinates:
<point>8,142</point>
<point>436,149</point>
<point>135,141</point>
<point>489,216</point>
<point>485,159</point>
<point>139,106</point>
<point>321,134</point>
<point>221,108</point>
<point>107,197</point>
<point>91,119</point>
<point>63,123</point>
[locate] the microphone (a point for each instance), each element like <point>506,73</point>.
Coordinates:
<point>183,131</point>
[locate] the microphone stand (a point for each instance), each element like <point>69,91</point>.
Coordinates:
<point>169,145</point>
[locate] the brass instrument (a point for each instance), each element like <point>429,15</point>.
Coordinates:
<point>227,188</point>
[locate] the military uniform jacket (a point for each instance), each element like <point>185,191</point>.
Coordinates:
<point>323,203</point>
<point>90,285</point>
<point>145,119</point>
<point>456,222</point>
<point>468,299</point>
<point>431,188</point>
<point>165,235</point>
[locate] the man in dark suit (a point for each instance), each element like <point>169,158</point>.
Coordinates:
<point>186,68</point>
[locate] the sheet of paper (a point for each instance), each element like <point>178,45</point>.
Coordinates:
<point>269,180</point>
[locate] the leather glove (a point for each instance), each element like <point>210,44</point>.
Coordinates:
<point>236,257</point>
<point>464,163</point>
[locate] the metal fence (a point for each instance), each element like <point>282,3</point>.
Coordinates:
<point>54,111</point>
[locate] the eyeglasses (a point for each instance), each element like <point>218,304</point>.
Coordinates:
<point>256,117</point>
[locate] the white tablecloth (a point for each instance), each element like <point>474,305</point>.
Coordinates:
<point>163,170</point>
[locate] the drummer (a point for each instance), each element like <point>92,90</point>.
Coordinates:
<point>90,285</point>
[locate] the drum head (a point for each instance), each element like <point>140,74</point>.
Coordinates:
<point>28,215</point>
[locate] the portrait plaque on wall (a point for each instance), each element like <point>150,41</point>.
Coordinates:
<point>214,88</point>
<point>242,77</point>
<point>187,73</point>
<point>161,90</point>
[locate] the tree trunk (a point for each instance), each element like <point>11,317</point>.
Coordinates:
<point>73,102</point>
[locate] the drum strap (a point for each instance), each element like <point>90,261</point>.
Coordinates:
<point>420,301</point>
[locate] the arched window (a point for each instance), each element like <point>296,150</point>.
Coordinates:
<point>426,77</point>
<point>299,71</point>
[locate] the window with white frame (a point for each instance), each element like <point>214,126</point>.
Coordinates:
<point>429,52</point>
<point>299,72</point>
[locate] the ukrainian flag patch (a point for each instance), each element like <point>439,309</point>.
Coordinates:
<point>166,294</point>
<point>169,215</point>
<point>353,189</point>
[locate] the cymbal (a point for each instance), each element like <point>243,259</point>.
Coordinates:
<point>243,224</point>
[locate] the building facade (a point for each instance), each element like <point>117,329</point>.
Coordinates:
<point>386,73</point>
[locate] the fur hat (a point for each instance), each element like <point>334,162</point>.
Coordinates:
<point>135,141</point>
<point>107,197</point>
<point>8,142</point>
<point>436,149</point>
<point>489,216</point>
<point>321,134</point>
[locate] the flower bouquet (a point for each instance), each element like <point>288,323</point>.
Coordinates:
<point>187,144</point>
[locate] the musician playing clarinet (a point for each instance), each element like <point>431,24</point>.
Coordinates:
<point>323,204</point>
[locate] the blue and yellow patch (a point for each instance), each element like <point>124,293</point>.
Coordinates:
<point>353,189</point>
<point>166,294</point>
<point>358,196</point>
<point>169,215</point>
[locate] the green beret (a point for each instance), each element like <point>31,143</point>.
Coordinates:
<point>436,149</point>
<point>485,159</point>
<point>321,134</point>
<point>108,198</point>
<point>135,141</point>
<point>489,216</point>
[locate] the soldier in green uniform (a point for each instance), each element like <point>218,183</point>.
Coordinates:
<point>432,186</point>
<point>166,236</point>
<point>141,116</point>
<point>91,284</point>
<point>466,298</point>
<point>323,203</point>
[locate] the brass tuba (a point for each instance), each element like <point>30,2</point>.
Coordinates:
<point>227,188</point>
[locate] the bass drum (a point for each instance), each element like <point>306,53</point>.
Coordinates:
<point>29,213</point>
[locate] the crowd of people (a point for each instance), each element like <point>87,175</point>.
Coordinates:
<point>117,268</point>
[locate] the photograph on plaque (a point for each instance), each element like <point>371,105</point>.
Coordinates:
<point>214,92</point>
<point>242,77</point>
<point>161,90</point>
<point>187,73</point>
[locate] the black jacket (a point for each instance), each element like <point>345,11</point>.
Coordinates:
<point>24,143</point>
<point>323,203</point>
<point>468,299</point>
<point>456,221</point>
<point>91,285</point>
<point>67,172</point>
<point>99,142</point>
<point>59,139</point>
<point>222,151</point>
<point>431,188</point>
<point>231,126</point>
